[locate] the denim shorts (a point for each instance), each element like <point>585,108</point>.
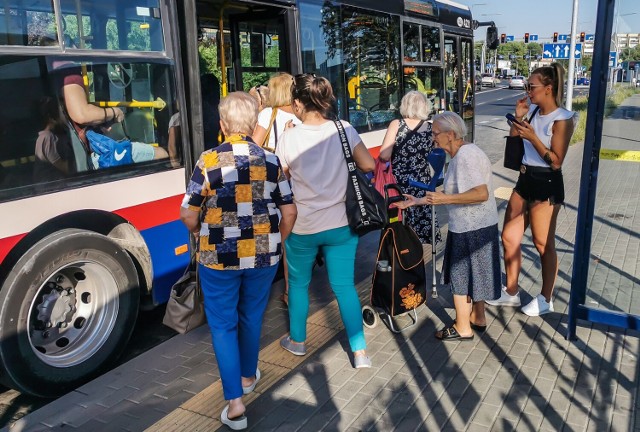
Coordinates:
<point>540,184</point>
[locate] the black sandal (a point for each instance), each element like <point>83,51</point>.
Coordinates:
<point>450,333</point>
<point>478,328</point>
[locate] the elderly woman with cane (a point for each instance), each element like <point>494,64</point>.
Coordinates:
<point>472,257</point>
<point>231,205</point>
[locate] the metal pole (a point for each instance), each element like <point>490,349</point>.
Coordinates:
<point>434,287</point>
<point>572,60</point>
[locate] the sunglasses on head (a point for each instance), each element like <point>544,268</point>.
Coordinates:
<point>529,87</point>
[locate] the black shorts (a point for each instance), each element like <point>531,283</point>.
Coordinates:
<point>540,184</point>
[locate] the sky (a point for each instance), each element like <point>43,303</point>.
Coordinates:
<point>543,17</point>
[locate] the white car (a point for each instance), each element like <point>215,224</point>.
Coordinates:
<point>517,82</point>
<point>487,80</point>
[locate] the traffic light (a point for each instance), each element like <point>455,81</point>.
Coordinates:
<point>526,37</point>
<point>555,37</point>
<point>582,37</point>
<point>503,38</point>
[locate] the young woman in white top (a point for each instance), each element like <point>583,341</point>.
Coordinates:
<point>311,155</point>
<point>273,120</point>
<point>539,192</point>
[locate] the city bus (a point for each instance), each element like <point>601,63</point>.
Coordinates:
<point>86,243</point>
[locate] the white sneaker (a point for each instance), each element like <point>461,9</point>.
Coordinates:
<point>538,306</point>
<point>505,299</point>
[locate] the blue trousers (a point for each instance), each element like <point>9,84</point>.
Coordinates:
<point>235,301</point>
<point>339,249</point>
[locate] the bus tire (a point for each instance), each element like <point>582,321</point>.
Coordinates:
<point>67,310</point>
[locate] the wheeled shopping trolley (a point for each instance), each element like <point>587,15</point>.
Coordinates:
<point>399,281</point>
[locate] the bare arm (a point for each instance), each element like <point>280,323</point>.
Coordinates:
<point>364,160</point>
<point>389,140</point>
<point>82,112</point>
<point>191,219</point>
<point>259,134</point>
<point>289,214</point>
<point>474,195</point>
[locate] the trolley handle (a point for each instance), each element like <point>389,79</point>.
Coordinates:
<point>389,200</point>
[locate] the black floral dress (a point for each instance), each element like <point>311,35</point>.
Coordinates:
<point>409,161</point>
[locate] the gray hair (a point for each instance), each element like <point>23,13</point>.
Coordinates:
<point>415,105</point>
<point>238,113</point>
<point>448,121</point>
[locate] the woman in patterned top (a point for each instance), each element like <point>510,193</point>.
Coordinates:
<point>472,255</point>
<point>230,205</point>
<point>407,144</point>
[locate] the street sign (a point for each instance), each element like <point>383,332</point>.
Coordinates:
<point>533,37</point>
<point>589,37</point>
<point>564,37</point>
<point>512,56</point>
<point>612,59</point>
<point>500,57</point>
<point>510,38</point>
<point>561,51</point>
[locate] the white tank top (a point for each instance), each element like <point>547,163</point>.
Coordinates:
<point>543,127</point>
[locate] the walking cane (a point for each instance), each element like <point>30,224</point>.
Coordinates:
<point>436,159</point>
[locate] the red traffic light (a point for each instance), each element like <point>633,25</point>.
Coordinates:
<point>503,38</point>
<point>555,37</point>
<point>526,38</point>
<point>582,37</point>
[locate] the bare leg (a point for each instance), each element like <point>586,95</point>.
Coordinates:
<point>543,217</point>
<point>463,311</point>
<point>477,314</point>
<point>515,223</point>
<point>236,408</point>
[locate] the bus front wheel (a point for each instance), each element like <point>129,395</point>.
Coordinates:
<point>67,309</point>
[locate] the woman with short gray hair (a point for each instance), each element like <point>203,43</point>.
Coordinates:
<point>230,206</point>
<point>407,145</point>
<point>472,254</point>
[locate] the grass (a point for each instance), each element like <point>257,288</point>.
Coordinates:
<point>618,95</point>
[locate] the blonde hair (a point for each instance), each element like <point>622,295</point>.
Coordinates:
<point>415,105</point>
<point>280,90</point>
<point>261,94</point>
<point>238,113</point>
<point>448,121</point>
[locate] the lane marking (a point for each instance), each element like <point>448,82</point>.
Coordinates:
<point>620,155</point>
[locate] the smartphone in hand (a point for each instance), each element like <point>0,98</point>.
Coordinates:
<point>512,119</point>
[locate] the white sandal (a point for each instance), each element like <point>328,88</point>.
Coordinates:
<point>236,423</point>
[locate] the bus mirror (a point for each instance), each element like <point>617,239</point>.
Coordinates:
<point>492,38</point>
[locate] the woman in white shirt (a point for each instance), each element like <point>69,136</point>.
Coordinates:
<point>273,120</point>
<point>472,253</point>
<point>311,155</point>
<point>539,192</point>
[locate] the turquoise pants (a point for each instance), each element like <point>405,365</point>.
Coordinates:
<point>339,249</point>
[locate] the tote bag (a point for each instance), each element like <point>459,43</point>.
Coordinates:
<point>364,205</point>
<point>185,308</point>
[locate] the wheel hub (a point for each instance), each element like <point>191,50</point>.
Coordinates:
<point>56,307</point>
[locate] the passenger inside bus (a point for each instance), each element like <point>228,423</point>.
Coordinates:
<point>54,157</point>
<point>85,116</point>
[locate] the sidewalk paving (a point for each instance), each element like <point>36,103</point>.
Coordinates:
<point>521,374</point>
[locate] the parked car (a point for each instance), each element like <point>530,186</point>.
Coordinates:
<point>517,82</point>
<point>583,81</point>
<point>487,80</point>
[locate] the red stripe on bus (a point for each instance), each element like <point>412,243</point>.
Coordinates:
<point>6,244</point>
<point>154,213</point>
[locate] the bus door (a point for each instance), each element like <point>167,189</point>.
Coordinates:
<point>458,78</point>
<point>260,47</point>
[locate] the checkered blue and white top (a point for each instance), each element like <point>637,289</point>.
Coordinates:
<point>237,187</point>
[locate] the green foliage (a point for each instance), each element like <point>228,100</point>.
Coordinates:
<point>520,50</point>
<point>630,54</point>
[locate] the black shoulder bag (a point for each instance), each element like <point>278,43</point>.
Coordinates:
<point>365,205</point>
<point>514,149</point>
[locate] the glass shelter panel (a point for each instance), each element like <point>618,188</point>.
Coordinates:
<point>613,280</point>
